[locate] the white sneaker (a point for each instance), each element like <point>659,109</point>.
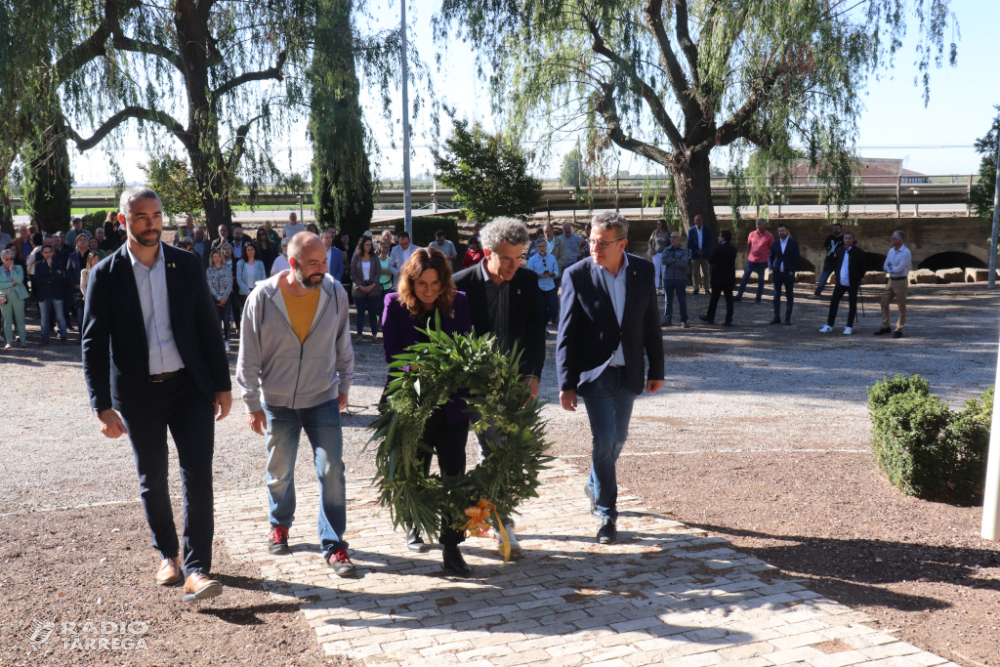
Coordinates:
<point>226,343</point>
<point>826,329</point>
<point>847,331</point>
<point>514,544</point>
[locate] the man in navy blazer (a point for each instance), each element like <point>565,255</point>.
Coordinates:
<point>700,247</point>
<point>783,262</point>
<point>153,351</point>
<point>608,326</point>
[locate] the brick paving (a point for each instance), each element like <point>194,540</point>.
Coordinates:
<point>665,594</point>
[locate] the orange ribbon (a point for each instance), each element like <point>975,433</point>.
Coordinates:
<point>476,526</point>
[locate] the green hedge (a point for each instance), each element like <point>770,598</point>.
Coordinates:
<point>92,221</point>
<point>924,447</point>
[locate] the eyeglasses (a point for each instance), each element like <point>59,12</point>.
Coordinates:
<point>603,245</point>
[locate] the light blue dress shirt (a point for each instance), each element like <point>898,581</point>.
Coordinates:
<point>616,290</point>
<point>164,357</point>
<point>539,265</point>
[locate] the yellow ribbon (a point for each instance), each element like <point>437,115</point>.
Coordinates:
<point>476,526</point>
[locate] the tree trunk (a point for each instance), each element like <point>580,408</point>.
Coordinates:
<point>693,186</point>
<point>342,182</point>
<point>214,187</point>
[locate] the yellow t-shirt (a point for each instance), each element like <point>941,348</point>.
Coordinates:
<point>301,311</point>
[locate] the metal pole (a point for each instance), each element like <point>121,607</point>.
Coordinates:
<point>996,219</point>
<point>991,498</point>
<point>408,220</point>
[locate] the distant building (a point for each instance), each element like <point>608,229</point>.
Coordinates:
<point>871,170</point>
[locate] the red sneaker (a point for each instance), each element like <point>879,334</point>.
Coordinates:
<point>341,563</point>
<point>279,541</point>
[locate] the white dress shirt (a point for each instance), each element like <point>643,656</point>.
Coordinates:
<point>164,357</point>
<point>897,263</point>
<point>845,273</point>
<point>784,244</point>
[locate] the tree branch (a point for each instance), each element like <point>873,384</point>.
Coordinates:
<point>123,43</point>
<point>684,37</point>
<point>640,88</point>
<point>237,81</point>
<point>159,117</point>
<point>606,107</point>
<point>80,55</point>
<point>241,139</point>
<point>675,74</point>
<point>738,124</point>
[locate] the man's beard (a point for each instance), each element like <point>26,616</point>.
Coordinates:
<point>306,281</point>
<point>143,239</point>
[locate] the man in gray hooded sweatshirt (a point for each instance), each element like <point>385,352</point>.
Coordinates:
<point>294,370</point>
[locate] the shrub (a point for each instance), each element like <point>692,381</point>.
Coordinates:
<point>922,446</point>
<point>92,221</point>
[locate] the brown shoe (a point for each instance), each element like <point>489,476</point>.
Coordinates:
<point>200,587</point>
<point>170,572</point>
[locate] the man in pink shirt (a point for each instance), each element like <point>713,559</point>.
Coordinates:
<point>759,242</point>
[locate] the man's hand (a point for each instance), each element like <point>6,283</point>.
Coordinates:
<point>342,402</point>
<point>653,386</point>
<point>223,403</point>
<point>222,303</point>
<point>568,400</point>
<point>532,385</point>
<point>111,424</point>
<point>257,421</point>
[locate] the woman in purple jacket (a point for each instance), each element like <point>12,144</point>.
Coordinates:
<point>425,289</point>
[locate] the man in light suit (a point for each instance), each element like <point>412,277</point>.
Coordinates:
<point>400,253</point>
<point>608,326</point>
<point>334,256</point>
<point>153,351</point>
<point>784,262</point>
<point>700,247</point>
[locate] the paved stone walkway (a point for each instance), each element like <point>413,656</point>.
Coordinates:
<point>664,594</point>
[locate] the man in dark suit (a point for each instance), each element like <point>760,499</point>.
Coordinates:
<point>153,351</point>
<point>723,261</point>
<point>503,301</point>
<point>608,326</point>
<point>850,271</point>
<point>700,246</point>
<point>784,262</point>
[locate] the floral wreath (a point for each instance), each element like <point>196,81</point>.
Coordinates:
<point>497,397</point>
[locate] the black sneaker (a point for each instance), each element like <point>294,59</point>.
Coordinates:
<point>776,320</point>
<point>279,541</point>
<point>340,562</point>
<point>897,334</point>
<point>883,331</point>
<point>608,533</point>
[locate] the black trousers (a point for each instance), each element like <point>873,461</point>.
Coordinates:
<point>852,300</point>
<point>176,405</point>
<point>448,441</point>
<point>786,280</point>
<point>238,301</point>
<point>713,301</point>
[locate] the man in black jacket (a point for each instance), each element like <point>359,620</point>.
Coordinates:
<point>784,262</point>
<point>153,351</point>
<point>503,301</point>
<point>850,271</point>
<point>833,243</point>
<point>723,277</point>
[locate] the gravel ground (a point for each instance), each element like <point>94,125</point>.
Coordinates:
<point>761,435</point>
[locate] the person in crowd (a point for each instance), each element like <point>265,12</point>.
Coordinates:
<point>76,262</point>
<point>281,261</point>
<point>723,277</point>
<point>223,238</point>
<point>601,354</point>
<point>503,301</point>
<point>334,256</point>
<point>758,250</point>
<point>15,294</point>
<point>95,247</point>
<point>200,245</point>
<point>61,251</point>
<point>425,290</point>
<point>266,250</point>
<point>849,271</point>
<point>365,272</point>
<point>76,231</point>
<point>231,261</point>
<point>111,235</point>
<point>103,243</point>
<point>546,268</point>
<point>311,227</point>
<point>168,374</point>
<point>24,241</point>
<point>238,239</point>
<point>444,246</point>
<point>385,273</point>
<point>700,247</point>
<point>186,245</point>
<point>897,267</point>
<point>348,255</point>
<point>50,290</point>
<point>556,246</point>
<point>385,240</point>
<point>271,234</point>
<point>674,260</point>
<point>659,239</point>
<point>575,246</point>
<point>184,231</point>
<point>249,272</point>
<point>783,260</point>
<point>37,241</point>
<point>296,329</point>
<point>293,226</point>
<point>220,285</point>
<point>400,255</point>
<point>833,243</point>
<point>5,239</point>
<point>92,260</point>
<point>532,247</point>
<point>474,254</point>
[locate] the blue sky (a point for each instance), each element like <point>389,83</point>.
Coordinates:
<point>895,124</point>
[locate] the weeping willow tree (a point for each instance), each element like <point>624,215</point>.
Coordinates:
<point>341,173</point>
<point>674,80</point>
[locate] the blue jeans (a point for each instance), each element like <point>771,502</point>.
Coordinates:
<point>823,277</point>
<point>671,287</point>
<point>753,267</point>
<point>322,426</point>
<point>371,304</point>
<point>550,304</point>
<point>786,280</point>
<point>46,307</point>
<point>608,400</point>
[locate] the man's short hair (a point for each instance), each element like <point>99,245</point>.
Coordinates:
<point>726,235</point>
<point>402,235</point>
<point>299,240</point>
<point>439,232</point>
<point>762,221</point>
<point>542,241</point>
<point>503,230</point>
<point>781,224</point>
<point>851,233</point>
<point>900,233</point>
<point>837,224</point>
<point>236,224</point>
<point>134,193</point>
<point>611,220</point>
<point>675,233</point>
<point>76,220</point>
